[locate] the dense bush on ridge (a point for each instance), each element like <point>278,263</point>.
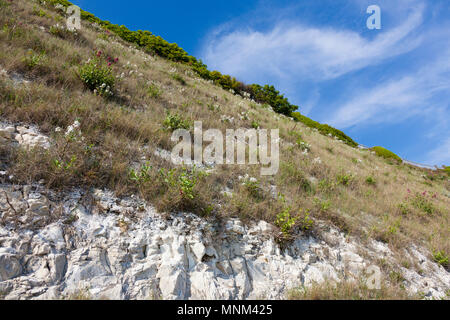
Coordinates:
<point>324,128</point>
<point>382,152</point>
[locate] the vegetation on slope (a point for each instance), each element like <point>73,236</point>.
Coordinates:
<point>266,94</point>
<point>324,129</point>
<point>348,291</point>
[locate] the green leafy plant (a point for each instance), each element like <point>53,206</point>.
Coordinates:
<point>404,209</point>
<point>421,201</point>
<point>323,205</point>
<point>306,223</point>
<point>64,165</point>
<point>174,121</point>
<point>326,185</point>
<point>371,180</point>
<point>183,180</point>
<point>440,257</point>
<point>154,91</point>
<point>253,187</point>
<point>97,75</point>
<point>392,229</point>
<point>285,221</point>
<point>179,79</point>
<point>304,146</point>
<point>142,175</point>
<point>344,178</point>
<point>255,124</point>
<point>40,12</point>
<point>213,107</point>
<point>33,59</point>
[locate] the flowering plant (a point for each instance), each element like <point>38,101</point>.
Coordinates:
<point>97,74</point>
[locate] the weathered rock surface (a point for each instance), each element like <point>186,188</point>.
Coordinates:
<point>25,136</point>
<point>53,246</point>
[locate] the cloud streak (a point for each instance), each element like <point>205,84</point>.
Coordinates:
<point>398,99</point>
<point>439,155</point>
<point>296,50</point>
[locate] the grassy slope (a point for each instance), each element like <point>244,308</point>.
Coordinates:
<point>362,194</point>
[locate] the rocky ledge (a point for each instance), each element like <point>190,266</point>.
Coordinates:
<point>24,136</point>
<point>54,246</point>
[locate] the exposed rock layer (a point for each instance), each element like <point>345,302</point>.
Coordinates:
<point>54,246</point>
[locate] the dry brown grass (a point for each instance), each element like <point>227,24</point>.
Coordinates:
<point>350,290</point>
<point>116,130</point>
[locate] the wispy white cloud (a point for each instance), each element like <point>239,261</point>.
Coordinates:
<point>439,155</point>
<point>292,50</point>
<point>424,93</point>
<point>397,99</point>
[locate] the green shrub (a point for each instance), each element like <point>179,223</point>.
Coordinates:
<point>326,185</point>
<point>213,107</point>
<point>175,121</point>
<point>33,59</point>
<point>154,91</point>
<point>404,209</point>
<point>440,257</point>
<point>344,179</point>
<point>255,124</point>
<point>322,205</point>
<point>447,170</point>
<point>285,221</point>
<point>4,4</point>
<point>98,76</point>
<point>306,223</point>
<point>64,165</point>
<point>269,95</point>
<point>371,180</point>
<point>420,201</point>
<point>304,146</point>
<point>40,13</point>
<point>384,153</point>
<point>254,189</point>
<point>291,173</point>
<point>179,78</point>
<point>142,175</point>
<point>183,180</point>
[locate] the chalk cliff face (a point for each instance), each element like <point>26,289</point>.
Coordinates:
<point>55,246</point>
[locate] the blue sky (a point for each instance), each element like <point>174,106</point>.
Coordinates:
<point>388,87</point>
